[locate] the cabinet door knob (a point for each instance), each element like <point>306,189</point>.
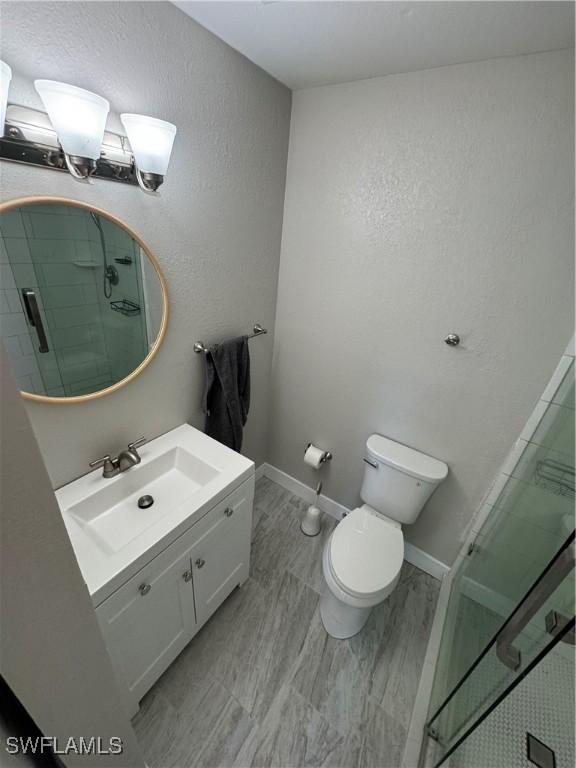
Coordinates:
<point>187,576</point>
<point>228,511</point>
<point>144,589</point>
<point>200,563</point>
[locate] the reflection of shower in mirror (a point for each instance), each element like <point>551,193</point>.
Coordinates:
<point>110,276</point>
<point>98,296</point>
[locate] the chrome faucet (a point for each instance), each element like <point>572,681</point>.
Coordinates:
<point>125,460</point>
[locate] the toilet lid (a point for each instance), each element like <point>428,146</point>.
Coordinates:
<point>366,552</point>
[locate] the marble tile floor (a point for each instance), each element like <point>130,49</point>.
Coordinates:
<point>262,684</point>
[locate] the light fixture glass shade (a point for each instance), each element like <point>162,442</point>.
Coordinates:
<point>5,77</point>
<point>151,141</point>
<point>77,116</point>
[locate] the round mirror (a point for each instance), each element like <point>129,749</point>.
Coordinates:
<point>83,301</point>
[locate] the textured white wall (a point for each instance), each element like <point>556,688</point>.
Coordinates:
<point>417,205</point>
<point>215,228</point>
<point>48,628</point>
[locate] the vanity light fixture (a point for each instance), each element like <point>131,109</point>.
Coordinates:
<point>71,136</point>
<point>5,77</point>
<point>79,118</point>
<point>151,141</point>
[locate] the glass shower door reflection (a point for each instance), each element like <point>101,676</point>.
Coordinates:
<point>512,597</point>
<point>77,315</point>
<point>543,619</point>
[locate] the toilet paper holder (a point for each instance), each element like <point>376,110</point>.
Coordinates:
<point>326,456</point>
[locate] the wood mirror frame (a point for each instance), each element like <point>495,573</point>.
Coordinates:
<point>20,202</point>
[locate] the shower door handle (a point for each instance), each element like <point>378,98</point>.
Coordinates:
<point>555,624</point>
<point>34,317</point>
<point>546,585</point>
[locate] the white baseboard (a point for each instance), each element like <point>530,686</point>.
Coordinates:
<point>305,492</point>
<point>416,557</point>
<point>425,562</point>
<point>495,602</point>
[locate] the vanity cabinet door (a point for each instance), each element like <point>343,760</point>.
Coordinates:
<point>221,555</point>
<point>149,620</point>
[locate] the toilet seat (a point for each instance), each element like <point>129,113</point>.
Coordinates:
<point>365,554</point>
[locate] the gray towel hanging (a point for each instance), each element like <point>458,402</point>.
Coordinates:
<point>227,391</point>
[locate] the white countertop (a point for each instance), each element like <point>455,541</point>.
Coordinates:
<point>105,570</point>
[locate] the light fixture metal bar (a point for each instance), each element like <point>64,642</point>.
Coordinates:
<point>29,138</point>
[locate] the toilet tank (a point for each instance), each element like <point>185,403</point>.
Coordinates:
<point>399,480</point>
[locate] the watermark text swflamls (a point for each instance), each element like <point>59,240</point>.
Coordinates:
<point>36,745</point>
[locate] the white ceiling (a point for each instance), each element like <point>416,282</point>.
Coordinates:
<point>304,44</point>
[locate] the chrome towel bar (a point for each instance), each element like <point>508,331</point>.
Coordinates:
<point>199,346</point>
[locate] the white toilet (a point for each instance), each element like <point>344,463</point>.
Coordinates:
<point>363,556</point>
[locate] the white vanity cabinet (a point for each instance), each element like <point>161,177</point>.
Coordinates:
<point>221,553</point>
<point>149,620</point>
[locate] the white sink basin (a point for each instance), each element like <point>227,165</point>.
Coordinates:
<point>112,517</point>
<point>185,472</point>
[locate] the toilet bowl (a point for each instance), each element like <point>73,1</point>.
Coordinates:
<point>363,557</point>
<point>361,564</point>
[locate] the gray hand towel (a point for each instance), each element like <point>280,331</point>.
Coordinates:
<point>227,391</point>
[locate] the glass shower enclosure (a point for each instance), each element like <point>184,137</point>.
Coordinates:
<point>503,690</point>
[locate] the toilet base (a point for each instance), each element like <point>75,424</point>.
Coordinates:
<point>340,620</point>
